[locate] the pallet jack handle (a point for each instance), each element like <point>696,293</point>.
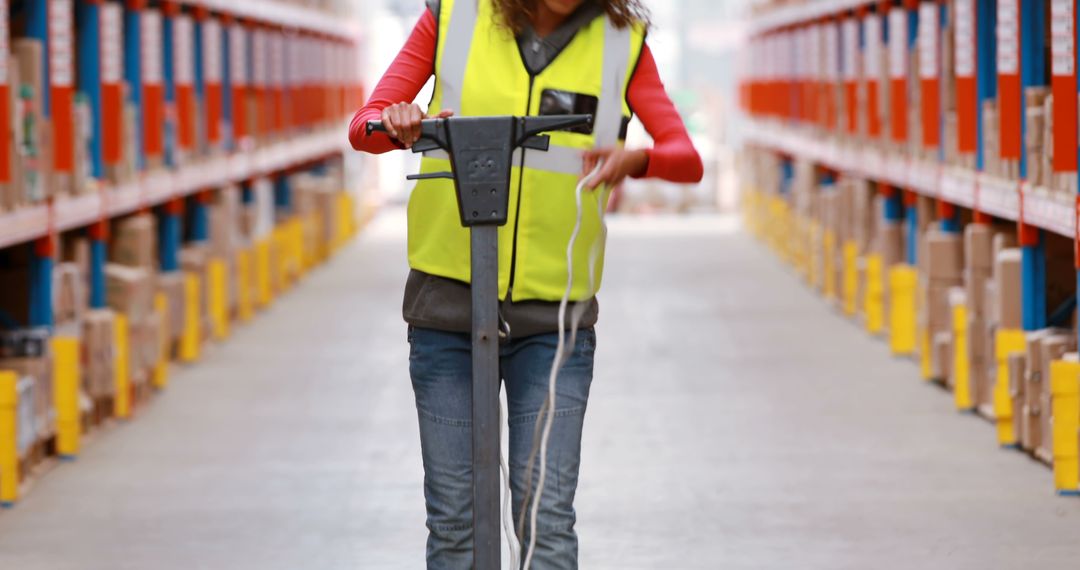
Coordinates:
<point>481,153</point>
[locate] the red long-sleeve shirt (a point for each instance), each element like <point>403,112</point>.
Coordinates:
<point>671,158</point>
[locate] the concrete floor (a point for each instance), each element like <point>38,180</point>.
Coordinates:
<point>736,422</point>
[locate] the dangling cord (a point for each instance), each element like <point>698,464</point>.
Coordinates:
<point>547,410</point>
<point>507,516</point>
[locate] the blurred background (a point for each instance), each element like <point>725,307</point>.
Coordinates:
<point>204,364</point>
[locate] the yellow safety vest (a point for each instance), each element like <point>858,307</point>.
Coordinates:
<point>479,72</point>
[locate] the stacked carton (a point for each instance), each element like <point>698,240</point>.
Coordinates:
<point>978,273</point>
<point>1030,389</point>
<point>1038,139</point>
<point>942,271</point>
<point>1040,419</point>
<point>131,284</point>
<point>27,352</point>
<point>1005,298</point>
<point>991,133</point>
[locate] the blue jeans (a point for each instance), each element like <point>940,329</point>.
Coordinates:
<point>440,364</point>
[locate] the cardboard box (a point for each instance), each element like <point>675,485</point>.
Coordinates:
<point>1008,277</point>
<point>944,256</point>
<point>981,357</point>
<point>29,59</point>
<point>70,294</point>
<point>99,353</point>
<point>941,357</point>
<point>1017,372</point>
<point>1002,241</point>
<point>129,290</point>
<point>1053,348</point>
<point>77,251</point>
<point>146,343</point>
<point>136,243</point>
<point>172,286</point>
<point>975,289</point>
<point>890,243</point>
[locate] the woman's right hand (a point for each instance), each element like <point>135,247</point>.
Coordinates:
<point>402,122</point>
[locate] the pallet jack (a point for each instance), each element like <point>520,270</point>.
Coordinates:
<point>481,153</point>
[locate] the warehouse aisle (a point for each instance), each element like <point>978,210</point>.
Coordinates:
<point>736,422</point>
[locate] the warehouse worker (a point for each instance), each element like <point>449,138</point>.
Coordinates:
<point>516,57</point>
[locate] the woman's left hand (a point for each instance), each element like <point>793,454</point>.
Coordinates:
<point>618,164</point>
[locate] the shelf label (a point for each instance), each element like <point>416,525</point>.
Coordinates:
<point>850,48</point>
<point>184,49</point>
<point>872,50</point>
<point>150,28</point>
<point>277,60</point>
<point>1008,37</point>
<point>1063,83</point>
<point>295,61</point>
<point>1063,37</point>
<point>112,43</point>
<point>832,51</point>
<point>238,54</point>
<point>258,58</point>
<point>964,46</point>
<point>4,48</point>
<point>964,51</point>
<point>898,45</point>
<point>928,40</point>
<point>211,45</point>
<point>813,39</point>
<point>61,38</point>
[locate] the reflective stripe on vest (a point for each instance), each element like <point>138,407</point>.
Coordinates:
<point>479,72</point>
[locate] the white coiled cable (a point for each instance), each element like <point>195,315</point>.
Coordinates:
<point>547,410</point>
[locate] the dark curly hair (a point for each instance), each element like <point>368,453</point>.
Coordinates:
<point>623,13</point>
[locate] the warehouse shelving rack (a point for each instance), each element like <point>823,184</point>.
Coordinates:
<point>1001,48</point>
<point>260,89</point>
<point>152,84</point>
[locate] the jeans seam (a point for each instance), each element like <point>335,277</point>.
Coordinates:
<point>517,420</point>
<point>441,420</point>
<point>449,527</point>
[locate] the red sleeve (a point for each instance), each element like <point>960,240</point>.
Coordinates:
<point>673,156</point>
<point>404,79</point>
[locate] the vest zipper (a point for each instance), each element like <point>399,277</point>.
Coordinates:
<point>517,207</point>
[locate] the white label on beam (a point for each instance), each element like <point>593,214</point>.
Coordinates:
<point>112,43</point>
<point>258,58</point>
<point>61,40</point>
<point>238,55</point>
<point>150,28</point>
<point>184,49</point>
<point>1063,37</point>
<point>872,51</point>
<point>211,45</point>
<point>850,49</point>
<point>4,48</point>
<point>965,38</point>
<point>1008,37</point>
<point>898,43</point>
<point>832,51</point>
<point>928,40</point>
<point>277,60</point>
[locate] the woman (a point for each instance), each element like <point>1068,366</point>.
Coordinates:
<point>517,57</point>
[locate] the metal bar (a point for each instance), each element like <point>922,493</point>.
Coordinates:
<point>485,397</point>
